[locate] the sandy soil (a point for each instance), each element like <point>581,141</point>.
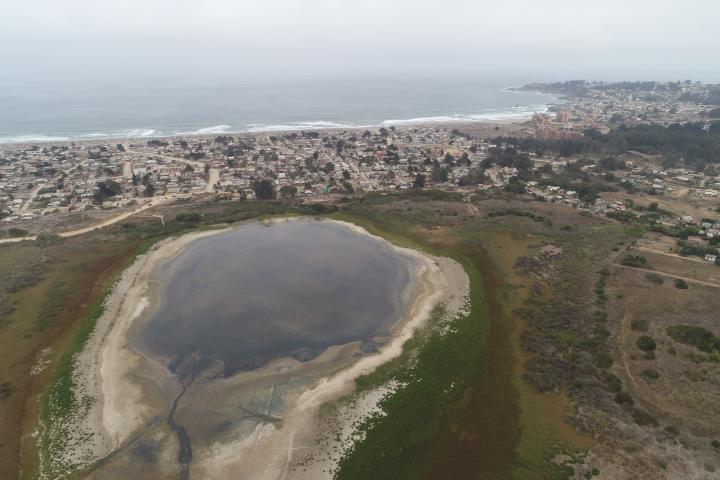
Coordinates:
<point>130,392</point>
<point>118,408</point>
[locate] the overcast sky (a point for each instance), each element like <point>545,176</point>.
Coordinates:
<point>532,39</point>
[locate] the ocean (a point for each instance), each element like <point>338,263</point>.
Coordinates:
<point>43,110</point>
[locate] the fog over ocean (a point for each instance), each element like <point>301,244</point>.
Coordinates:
<point>52,110</point>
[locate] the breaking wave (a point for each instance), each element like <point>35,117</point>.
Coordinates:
<point>515,113</point>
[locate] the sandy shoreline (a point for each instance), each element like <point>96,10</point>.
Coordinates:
<point>502,123</point>
<point>124,385</point>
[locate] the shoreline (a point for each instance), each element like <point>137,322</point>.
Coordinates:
<point>399,125</point>
<point>122,408</point>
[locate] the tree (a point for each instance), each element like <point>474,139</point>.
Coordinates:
<point>439,174</point>
<point>515,186</point>
<point>149,190</point>
<point>329,168</point>
<point>105,190</point>
<point>473,177</point>
<point>288,191</point>
<point>264,190</point>
<point>646,344</point>
<point>419,181</point>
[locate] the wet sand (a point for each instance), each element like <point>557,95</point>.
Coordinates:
<point>255,424</point>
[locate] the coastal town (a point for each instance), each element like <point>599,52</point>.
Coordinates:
<point>56,181</point>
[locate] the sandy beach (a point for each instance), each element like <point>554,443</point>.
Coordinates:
<point>130,392</point>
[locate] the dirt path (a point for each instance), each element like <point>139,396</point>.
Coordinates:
<point>32,196</point>
<point>671,255</point>
<point>117,218</point>
<point>623,353</point>
<point>213,178</point>
<point>687,279</point>
<point>471,207</point>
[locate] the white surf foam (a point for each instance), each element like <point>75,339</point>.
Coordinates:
<point>33,139</point>
<point>309,125</point>
<point>208,130</point>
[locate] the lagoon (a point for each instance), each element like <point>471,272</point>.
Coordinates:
<point>268,290</point>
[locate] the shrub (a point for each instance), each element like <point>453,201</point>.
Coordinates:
<point>604,360</point>
<point>643,418</point>
<point>650,374</point>
<point>613,382</point>
<point>715,443</point>
<point>624,398</point>
<point>697,337</point>
<point>17,232</point>
<point>634,261</point>
<point>646,344</point>
<point>681,284</point>
<point>654,278</point>
<point>5,390</point>
<point>188,217</point>
<point>48,239</point>
<point>672,430</point>
<point>639,325</point>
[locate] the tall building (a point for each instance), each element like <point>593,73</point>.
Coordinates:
<point>563,116</point>
<point>540,119</point>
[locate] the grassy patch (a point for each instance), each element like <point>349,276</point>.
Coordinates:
<point>697,337</point>
<point>654,278</point>
<point>62,401</point>
<point>434,370</point>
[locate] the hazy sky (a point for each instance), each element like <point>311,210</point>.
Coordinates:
<point>543,39</point>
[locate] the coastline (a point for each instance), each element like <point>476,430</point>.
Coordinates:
<point>121,407</point>
<point>504,124</point>
<point>212,132</point>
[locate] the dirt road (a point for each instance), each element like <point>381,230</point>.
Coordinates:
<point>117,218</point>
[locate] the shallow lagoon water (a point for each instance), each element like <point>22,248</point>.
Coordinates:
<point>268,290</point>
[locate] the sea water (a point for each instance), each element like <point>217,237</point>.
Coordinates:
<point>139,107</point>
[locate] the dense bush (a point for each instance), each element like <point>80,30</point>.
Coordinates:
<point>681,284</point>
<point>643,418</point>
<point>624,398</point>
<point>697,337</point>
<point>634,261</point>
<point>646,344</point>
<point>188,217</point>
<point>689,141</point>
<point>654,278</point>
<point>639,325</point>
<point>17,232</point>
<point>650,374</point>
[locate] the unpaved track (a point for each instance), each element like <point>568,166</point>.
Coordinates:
<point>117,218</point>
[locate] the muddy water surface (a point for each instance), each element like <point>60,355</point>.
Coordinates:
<point>265,291</point>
